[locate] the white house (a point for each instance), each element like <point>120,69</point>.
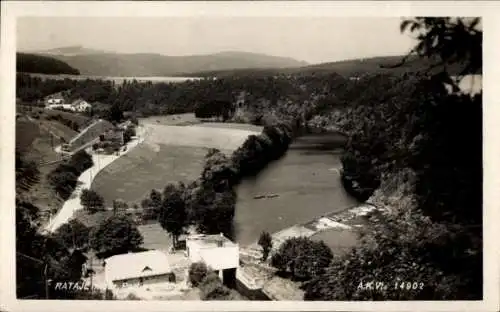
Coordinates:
<point>76,106</point>
<point>60,106</point>
<point>217,252</point>
<point>81,105</point>
<point>138,269</point>
<point>55,101</point>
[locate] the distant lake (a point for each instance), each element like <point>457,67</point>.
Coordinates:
<point>118,80</point>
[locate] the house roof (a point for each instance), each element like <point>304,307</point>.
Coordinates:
<point>76,102</point>
<point>134,265</point>
<point>210,241</point>
<point>208,248</point>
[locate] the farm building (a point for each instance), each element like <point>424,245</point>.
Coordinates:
<point>217,252</point>
<point>138,269</point>
<point>59,103</point>
<point>81,105</point>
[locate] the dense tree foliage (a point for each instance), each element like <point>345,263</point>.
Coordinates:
<point>42,258</point>
<point>212,288</point>
<point>74,234</point>
<point>429,186</point>
<point>197,273</point>
<point>216,108</point>
<point>31,63</point>
<point>91,201</point>
<point>27,172</point>
<point>65,176</point>
<point>266,242</point>
<point>173,213</point>
<point>258,150</point>
<point>115,235</point>
<point>302,258</point>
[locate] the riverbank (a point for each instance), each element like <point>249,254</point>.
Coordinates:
<point>100,161</point>
<point>259,277</point>
<point>298,187</point>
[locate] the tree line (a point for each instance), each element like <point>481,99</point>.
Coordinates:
<point>415,151</point>
<point>43,259</point>
<point>64,177</point>
<point>208,203</point>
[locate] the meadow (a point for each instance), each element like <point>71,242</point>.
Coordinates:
<point>169,154</point>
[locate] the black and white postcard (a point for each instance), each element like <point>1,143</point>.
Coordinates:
<point>250,156</point>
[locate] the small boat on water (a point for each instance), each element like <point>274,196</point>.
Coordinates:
<point>265,196</point>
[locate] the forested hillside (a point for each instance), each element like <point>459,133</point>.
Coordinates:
<point>349,68</point>
<point>100,63</point>
<point>31,63</point>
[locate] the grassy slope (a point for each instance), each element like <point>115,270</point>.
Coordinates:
<point>36,138</point>
<point>36,144</point>
<point>92,133</point>
<point>81,120</point>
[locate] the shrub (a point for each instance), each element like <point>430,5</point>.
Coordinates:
<point>115,235</point>
<point>197,273</point>
<point>266,242</point>
<point>212,289</point>
<point>302,258</point>
<point>92,201</point>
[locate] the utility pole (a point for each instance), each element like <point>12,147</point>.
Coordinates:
<point>91,267</point>
<point>46,281</point>
<point>45,269</point>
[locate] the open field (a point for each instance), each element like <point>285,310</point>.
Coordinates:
<point>226,125</point>
<point>133,176</point>
<point>168,155</point>
<point>155,237</point>
<point>90,133</point>
<point>59,129</point>
<point>79,119</point>
<point>172,120</point>
<point>195,136</point>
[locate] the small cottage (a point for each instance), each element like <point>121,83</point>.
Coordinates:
<point>138,269</point>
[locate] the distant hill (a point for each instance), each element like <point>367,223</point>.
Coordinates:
<point>102,63</point>
<point>32,63</point>
<point>348,68</point>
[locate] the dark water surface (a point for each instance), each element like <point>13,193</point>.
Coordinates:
<point>307,182</point>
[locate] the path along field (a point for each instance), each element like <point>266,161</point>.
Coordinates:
<point>85,180</point>
<point>170,153</point>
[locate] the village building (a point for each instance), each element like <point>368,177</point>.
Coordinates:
<point>57,101</point>
<point>54,99</point>
<point>81,105</point>
<point>138,269</point>
<point>218,252</point>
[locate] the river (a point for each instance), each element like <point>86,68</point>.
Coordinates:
<point>307,183</point>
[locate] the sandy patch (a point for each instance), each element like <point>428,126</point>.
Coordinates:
<point>196,136</point>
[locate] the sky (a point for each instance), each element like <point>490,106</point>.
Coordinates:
<point>310,39</point>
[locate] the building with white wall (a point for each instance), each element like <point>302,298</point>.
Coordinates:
<point>218,252</point>
<point>138,269</point>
